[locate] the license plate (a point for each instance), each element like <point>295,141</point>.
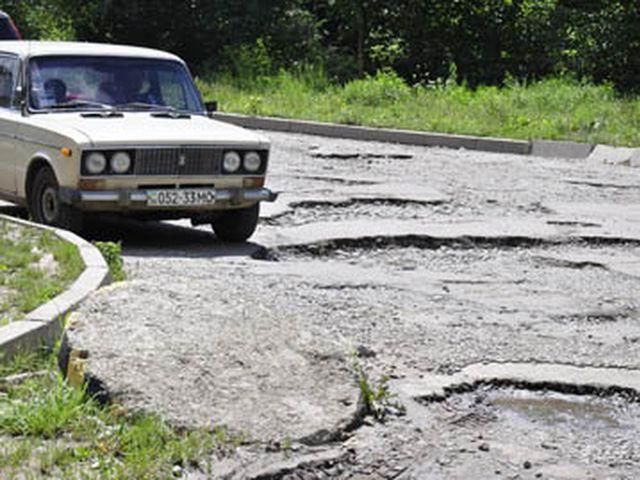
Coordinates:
<point>193,197</point>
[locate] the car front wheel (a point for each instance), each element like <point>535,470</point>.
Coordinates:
<point>45,206</point>
<point>237,225</point>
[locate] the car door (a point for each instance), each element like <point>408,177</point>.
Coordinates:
<point>9,113</point>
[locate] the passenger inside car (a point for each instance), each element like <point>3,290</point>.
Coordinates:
<point>55,91</point>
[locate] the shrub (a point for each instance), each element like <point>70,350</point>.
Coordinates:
<point>250,62</point>
<point>385,87</point>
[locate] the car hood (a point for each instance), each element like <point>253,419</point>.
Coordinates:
<point>141,128</point>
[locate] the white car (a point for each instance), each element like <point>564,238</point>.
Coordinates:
<point>106,128</point>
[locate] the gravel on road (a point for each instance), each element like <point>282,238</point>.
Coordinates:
<point>406,261</point>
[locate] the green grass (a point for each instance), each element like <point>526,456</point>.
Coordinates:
<point>24,284</point>
<point>26,361</point>
<point>553,109</point>
<point>49,429</point>
<point>377,397</point>
<point>112,253</point>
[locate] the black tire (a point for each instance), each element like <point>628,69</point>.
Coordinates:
<point>237,225</point>
<point>45,206</point>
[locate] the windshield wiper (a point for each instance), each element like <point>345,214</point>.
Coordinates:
<point>140,106</point>
<point>166,111</point>
<point>79,104</point>
<point>171,114</point>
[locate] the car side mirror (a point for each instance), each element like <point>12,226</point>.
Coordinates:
<point>211,107</point>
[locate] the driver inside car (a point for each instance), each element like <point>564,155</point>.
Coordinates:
<point>128,86</point>
<point>133,84</point>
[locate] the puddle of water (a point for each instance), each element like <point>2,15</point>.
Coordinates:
<point>549,434</point>
<point>554,409</point>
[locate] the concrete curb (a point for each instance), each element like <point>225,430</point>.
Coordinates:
<point>407,137</point>
<point>554,149</point>
<point>538,148</point>
<point>44,325</point>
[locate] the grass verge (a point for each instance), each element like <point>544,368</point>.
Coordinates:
<point>35,266</point>
<point>552,109</point>
<point>51,430</point>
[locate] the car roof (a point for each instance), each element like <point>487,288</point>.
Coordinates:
<point>28,48</point>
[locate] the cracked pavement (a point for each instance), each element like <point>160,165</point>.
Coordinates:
<point>423,260</point>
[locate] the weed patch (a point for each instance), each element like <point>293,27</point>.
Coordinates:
<point>377,398</point>
<point>112,253</point>
<point>26,361</point>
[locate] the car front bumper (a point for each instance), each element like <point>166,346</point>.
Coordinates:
<point>123,200</point>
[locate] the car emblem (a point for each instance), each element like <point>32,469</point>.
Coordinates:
<point>182,161</point>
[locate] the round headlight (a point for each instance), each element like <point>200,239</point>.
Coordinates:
<point>96,163</point>
<point>120,162</point>
<point>231,162</point>
<point>252,162</point>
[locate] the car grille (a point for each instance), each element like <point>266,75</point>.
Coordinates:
<point>177,161</point>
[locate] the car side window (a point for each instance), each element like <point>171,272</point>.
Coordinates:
<point>8,80</point>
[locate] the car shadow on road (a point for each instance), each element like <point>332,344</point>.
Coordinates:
<point>154,239</point>
<point>164,239</point>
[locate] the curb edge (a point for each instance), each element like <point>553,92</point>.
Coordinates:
<point>539,148</point>
<point>45,324</point>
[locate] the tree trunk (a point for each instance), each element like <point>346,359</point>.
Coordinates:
<point>362,27</point>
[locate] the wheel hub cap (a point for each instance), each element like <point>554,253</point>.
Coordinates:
<point>50,205</point>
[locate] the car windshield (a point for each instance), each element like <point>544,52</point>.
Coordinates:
<point>61,83</point>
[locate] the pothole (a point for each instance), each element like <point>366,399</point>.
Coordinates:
<point>381,202</point>
<point>503,432</point>
<point>307,212</point>
<point>330,155</point>
<point>503,280</point>
<point>602,316</point>
<point>338,180</point>
<point>571,223</point>
<point>373,246</point>
<point>566,263</point>
<point>373,206</point>
<point>599,184</point>
<point>538,434</point>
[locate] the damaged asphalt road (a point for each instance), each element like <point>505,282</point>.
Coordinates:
<point>409,262</point>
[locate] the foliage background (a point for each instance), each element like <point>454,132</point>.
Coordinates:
<point>478,42</point>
